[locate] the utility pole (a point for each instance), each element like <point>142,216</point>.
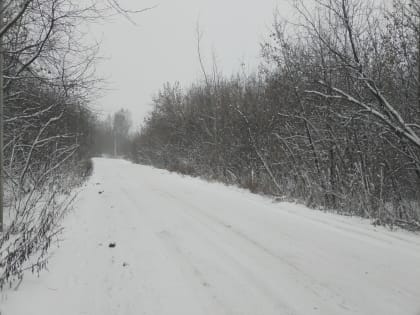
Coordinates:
<point>1,121</point>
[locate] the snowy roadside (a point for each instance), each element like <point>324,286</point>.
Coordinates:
<point>32,225</point>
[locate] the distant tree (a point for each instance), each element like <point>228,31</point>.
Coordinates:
<point>121,127</point>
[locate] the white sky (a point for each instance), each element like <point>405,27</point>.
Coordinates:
<point>162,47</point>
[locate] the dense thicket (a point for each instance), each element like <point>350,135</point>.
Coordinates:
<point>332,118</point>
<point>48,128</point>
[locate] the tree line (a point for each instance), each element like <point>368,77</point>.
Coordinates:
<point>47,83</point>
<point>112,135</point>
<point>332,117</point>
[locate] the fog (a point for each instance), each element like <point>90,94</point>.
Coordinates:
<point>162,46</point>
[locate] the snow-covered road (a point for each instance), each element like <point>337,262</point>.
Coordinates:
<point>184,246</point>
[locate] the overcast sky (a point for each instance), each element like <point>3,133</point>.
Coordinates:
<point>162,47</point>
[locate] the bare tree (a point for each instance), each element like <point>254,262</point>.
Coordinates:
<point>121,127</point>
<point>48,79</point>
<point>331,119</point>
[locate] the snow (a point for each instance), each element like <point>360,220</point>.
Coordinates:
<point>186,246</point>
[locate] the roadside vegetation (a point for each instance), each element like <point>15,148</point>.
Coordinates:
<point>331,119</point>
<point>48,81</point>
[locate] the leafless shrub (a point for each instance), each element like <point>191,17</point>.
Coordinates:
<point>48,81</point>
<point>332,119</point>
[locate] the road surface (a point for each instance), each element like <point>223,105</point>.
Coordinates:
<point>184,246</point>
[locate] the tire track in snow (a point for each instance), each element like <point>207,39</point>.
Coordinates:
<point>251,272</point>
<point>303,279</point>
